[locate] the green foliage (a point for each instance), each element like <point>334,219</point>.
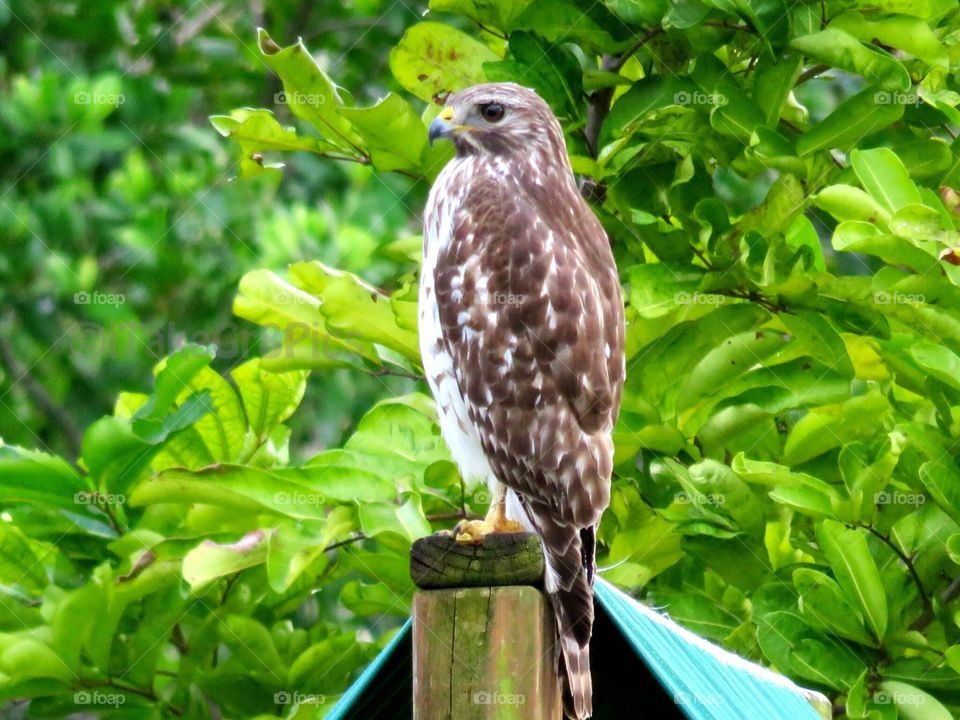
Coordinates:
<point>778,184</point>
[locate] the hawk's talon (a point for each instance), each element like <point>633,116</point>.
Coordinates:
<point>472,532</point>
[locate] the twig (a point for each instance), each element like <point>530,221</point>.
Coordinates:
<point>349,541</point>
<point>729,26</point>
<point>811,73</point>
<point>600,99</point>
<point>951,593</point>
<point>389,372</point>
<point>927,615</point>
<point>641,41</point>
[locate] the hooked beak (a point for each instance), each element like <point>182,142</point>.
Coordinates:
<point>441,127</point>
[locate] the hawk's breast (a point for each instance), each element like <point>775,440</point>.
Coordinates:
<point>458,430</point>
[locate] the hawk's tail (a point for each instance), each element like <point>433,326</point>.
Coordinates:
<point>569,581</point>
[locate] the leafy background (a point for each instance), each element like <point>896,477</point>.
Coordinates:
<point>216,445</point>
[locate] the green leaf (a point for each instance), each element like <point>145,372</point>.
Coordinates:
<point>550,69</point>
<point>432,59</point>
<point>406,519</point>
<point>863,237</point>
<point>773,81</point>
<point>824,606</point>
<point>941,478</point>
<point>354,309</point>
<point>912,702</point>
<point>846,202</point>
<point>941,362</point>
<point>849,557</point>
<point>257,131</point>
<point>492,13</point>
<point>561,21</point>
<point>728,361</point>
<point>294,492</point>
<point>268,398</point>
<point>840,49</point>
<point>912,35</point>
<point>645,96</point>
<point>308,91</point>
<point>209,560</point>
<point>391,132</point>
<point>36,477</point>
<point>794,647</point>
<point>883,175</point>
<point>854,119</point>
<point>19,565</point>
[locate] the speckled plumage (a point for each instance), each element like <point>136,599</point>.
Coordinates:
<point>521,327</point>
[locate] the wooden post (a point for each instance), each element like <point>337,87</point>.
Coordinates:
<point>483,633</point>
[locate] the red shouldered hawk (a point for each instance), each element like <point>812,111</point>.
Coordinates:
<point>522,331</point>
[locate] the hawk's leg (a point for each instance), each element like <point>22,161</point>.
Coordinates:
<point>472,532</point>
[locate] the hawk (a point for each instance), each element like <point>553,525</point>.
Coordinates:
<point>521,333</point>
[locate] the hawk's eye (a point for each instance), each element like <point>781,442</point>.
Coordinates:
<point>492,112</point>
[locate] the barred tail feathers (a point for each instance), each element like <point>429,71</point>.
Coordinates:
<point>568,585</point>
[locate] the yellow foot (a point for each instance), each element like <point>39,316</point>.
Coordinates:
<point>472,532</point>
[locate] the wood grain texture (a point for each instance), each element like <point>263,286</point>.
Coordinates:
<point>439,561</point>
<point>484,653</point>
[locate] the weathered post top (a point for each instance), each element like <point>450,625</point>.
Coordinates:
<point>483,634</point>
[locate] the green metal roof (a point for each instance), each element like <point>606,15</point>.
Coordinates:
<point>640,658</point>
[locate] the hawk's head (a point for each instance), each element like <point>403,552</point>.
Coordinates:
<point>499,119</point>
